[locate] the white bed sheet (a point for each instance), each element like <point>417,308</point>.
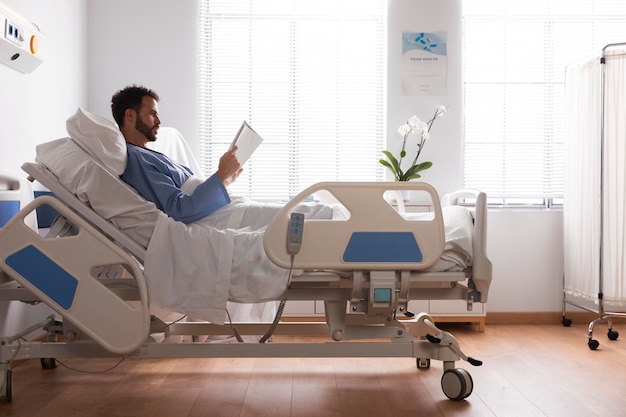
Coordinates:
<point>218,258</point>
<point>457,251</point>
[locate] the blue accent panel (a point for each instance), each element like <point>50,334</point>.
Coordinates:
<point>45,213</point>
<point>382,247</point>
<point>382,295</point>
<point>44,274</point>
<point>8,209</point>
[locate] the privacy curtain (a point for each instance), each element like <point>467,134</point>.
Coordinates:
<point>594,210</point>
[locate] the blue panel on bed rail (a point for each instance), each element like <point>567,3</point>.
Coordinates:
<point>45,213</point>
<point>8,209</point>
<point>44,274</point>
<point>382,247</point>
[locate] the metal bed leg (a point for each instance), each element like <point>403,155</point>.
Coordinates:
<point>8,352</point>
<point>6,382</point>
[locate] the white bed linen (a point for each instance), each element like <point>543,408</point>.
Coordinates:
<point>197,268</point>
<point>458,228</point>
<point>192,269</point>
<point>104,192</point>
<point>171,143</point>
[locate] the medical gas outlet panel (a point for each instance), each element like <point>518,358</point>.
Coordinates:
<point>20,41</point>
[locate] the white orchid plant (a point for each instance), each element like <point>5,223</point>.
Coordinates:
<point>414,126</point>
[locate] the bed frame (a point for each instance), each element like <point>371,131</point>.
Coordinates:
<point>363,301</point>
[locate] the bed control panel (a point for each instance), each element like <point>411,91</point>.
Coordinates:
<point>383,296</point>
<point>294,235</point>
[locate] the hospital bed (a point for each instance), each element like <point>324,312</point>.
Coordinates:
<point>90,269</point>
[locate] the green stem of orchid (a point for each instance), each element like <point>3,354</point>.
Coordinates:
<point>403,147</point>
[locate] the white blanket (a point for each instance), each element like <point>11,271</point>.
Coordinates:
<point>196,268</point>
<point>459,229</point>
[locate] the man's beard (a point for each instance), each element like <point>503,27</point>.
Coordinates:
<point>146,130</point>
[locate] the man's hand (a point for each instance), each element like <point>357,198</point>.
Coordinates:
<point>229,167</point>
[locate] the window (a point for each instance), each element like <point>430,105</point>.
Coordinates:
<point>308,76</point>
<point>515,55</point>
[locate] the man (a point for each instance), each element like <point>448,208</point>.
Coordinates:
<point>155,176</point>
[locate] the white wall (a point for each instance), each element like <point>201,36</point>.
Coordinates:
<point>34,107</point>
<point>146,42</point>
<point>445,146</point>
<point>525,247</point>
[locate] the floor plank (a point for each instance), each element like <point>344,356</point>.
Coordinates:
<point>528,370</point>
<point>314,378</point>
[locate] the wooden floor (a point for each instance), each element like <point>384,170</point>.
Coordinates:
<point>528,370</point>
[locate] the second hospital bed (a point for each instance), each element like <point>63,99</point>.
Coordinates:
<point>91,267</point>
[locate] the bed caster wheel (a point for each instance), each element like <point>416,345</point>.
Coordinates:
<point>457,384</point>
<point>566,322</point>
<point>423,363</point>
<point>48,363</point>
<point>593,344</point>
<point>612,335</point>
<point>6,387</point>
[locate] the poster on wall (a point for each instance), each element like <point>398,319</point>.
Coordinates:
<point>424,64</point>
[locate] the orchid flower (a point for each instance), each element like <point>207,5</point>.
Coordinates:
<point>413,126</point>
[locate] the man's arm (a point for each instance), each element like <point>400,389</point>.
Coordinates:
<point>160,182</point>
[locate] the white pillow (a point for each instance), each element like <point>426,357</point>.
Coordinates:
<point>101,137</point>
<point>105,192</point>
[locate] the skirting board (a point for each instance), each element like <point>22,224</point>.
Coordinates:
<point>480,320</point>
<point>554,317</point>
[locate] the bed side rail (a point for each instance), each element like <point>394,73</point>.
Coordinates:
<point>374,237</point>
<point>59,271</point>
<point>482,268</point>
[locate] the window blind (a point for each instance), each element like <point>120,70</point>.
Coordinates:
<point>308,76</point>
<point>515,54</point>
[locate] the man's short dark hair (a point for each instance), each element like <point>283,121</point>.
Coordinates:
<point>129,98</point>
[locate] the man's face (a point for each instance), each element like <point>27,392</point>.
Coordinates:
<point>148,120</point>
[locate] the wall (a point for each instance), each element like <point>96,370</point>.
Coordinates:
<point>525,247</point>
<point>34,107</point>
<point>146,42</point>
<point>445,147</point>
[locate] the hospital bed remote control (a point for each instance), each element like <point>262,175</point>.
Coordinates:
<point>294,235</point>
